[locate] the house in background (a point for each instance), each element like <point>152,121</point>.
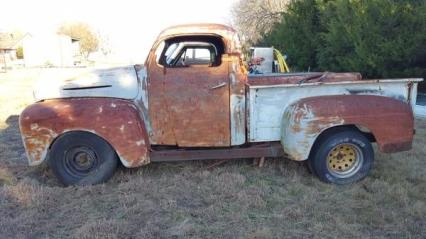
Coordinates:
<point>54,50</point>
<point>10,43</point>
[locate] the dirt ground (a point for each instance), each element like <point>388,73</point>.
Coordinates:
<point>190,200</point>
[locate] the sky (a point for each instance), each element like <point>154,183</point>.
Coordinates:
<point>130,26</point>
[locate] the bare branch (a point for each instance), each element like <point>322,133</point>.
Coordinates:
<point>254,18</point>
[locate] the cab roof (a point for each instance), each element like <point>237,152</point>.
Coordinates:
<point>200,28</point>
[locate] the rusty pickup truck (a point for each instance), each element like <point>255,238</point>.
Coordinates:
<point>194,100</point>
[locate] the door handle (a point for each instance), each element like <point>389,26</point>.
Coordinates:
<point>218,86</point>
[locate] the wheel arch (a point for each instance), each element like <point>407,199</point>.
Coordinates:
<point>41,124</point>
<point>340,128</point>
<point>306,120</point>
<point>64,134</point>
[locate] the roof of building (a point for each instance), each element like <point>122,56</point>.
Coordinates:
<point>10,40</point>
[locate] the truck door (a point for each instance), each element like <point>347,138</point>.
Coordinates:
<point>196,91</point>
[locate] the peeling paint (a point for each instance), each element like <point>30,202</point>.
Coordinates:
<point>306,119</point>
<point>268,102</point>
<point>237,102</point>
<point>52,122</point>
<point>141,101</point>
<point>34,126</point>
<point>140,142</point>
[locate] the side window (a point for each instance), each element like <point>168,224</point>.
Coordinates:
<point>186,54</point>
<point>171,53</point>
<point>196,56</point>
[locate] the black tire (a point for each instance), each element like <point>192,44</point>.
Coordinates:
<point>341,156</point>
<point>82,158</point>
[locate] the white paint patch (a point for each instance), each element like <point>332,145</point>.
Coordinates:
<point>118,82</point>
<point>101,109</point>
<point>143,94</point>
<point>234,67</point>
<point>297,143</point>
<point>133,106</point>
<point>140,142</point>
<point>113,105</point>
<point>238,122</point>
<point>126,80</point>
<point>122,128</point>
<point>34,126</point>
<point>232,78</point>
<point>124,161</point>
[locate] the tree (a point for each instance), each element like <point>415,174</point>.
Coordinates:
<point>20,52</point>
<point>254,18</point>
<point>297,34</point>
<point>89,41</point>
<point>379,38</point>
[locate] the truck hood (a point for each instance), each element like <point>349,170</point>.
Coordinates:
<point>119,82</point>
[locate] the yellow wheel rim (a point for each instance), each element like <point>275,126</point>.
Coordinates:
<point>344,160</point>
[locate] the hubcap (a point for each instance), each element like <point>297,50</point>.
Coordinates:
<point>79,161</point>
<point>83,160</point>
<point>344,160</point>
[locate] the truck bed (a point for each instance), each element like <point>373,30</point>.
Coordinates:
<point>269,95</point>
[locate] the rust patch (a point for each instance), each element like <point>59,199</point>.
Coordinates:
<point>390,121</point>
<point>283,79</point>
<point>116,121</point>
<point>199,111</point>
<point>161,122</point>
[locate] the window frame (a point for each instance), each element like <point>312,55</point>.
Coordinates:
<point>205,44</point>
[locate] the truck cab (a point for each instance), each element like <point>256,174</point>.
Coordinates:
<point>196,88</point>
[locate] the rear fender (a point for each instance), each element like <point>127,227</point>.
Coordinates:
<point>116,121</point>
<point>389,120</point>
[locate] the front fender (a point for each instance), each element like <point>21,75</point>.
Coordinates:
<point>115,120</point>
<point>390,121</point>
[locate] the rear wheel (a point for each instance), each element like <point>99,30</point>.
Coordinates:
<point>82,158</point>
<point>342,156</point>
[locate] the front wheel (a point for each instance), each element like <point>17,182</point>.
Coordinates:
<point>82,158</point>
<point>342,157</point>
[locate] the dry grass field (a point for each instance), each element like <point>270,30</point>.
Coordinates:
<point>192,200</point>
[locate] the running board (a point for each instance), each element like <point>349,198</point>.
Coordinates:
<point>274,149</point>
